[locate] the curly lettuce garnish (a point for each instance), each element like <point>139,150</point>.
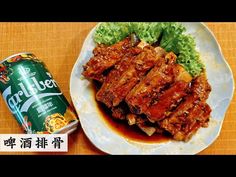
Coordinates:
<point>147,31</point>
<point>188,55</point>
<point>170,35</point>
<point>183,46</point>
<point>111,32</point>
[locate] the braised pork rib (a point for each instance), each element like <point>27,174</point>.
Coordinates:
<point>145,86</point>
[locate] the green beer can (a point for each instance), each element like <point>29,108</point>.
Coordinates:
<point>34,97</point>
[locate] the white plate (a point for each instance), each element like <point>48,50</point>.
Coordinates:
<point>102,136</point>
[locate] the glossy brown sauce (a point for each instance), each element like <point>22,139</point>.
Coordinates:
<point>121,127</point>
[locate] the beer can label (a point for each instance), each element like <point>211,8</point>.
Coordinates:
<point>33,96</point>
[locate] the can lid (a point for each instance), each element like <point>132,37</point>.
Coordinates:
<point>14,55</point>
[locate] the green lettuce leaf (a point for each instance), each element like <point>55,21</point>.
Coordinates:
<point>148,31</point>
<point>111,32</point>
<point>188,55</point>
<point>170,35</point>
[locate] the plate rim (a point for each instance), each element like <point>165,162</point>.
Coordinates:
<point>221,55</point>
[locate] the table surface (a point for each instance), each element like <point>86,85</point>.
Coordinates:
<point>59,44</point>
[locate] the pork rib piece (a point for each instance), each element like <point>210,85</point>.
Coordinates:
<point>185,126</point>
<point>107,56</point>
<point>122,85</point>
<point>143,124</point>
<point>169,99</point>
<point>120,111</point>
<point>111,79</point>
<point>192,113</point>
<point>164,73</point>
